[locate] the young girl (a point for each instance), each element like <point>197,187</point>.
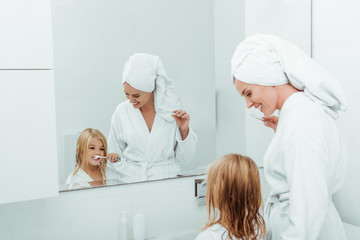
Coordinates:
<point>90,170</point>
<point>233,200</point>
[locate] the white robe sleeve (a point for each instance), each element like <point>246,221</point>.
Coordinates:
<point>306,159</point>
<point>78,180</point>
<point>116,144</point>
<point>185,149</point>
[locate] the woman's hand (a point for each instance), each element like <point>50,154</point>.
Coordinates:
<point>182,119</point>
<point>112,157</point>
<point>271,122</point>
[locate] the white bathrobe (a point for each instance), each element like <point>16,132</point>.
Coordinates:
<point>148,155</point>
<point>81,179</point>
<point>215,232</point>
<point>304,167</point>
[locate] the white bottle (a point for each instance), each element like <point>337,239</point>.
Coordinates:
<point>139,227</point>
<point>123,226</point>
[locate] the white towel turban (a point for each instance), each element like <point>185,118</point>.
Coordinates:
<point>146,73</point>
<point>270,61</point>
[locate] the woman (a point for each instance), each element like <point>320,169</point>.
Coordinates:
<point>304,164</point>
<point>149,131</point>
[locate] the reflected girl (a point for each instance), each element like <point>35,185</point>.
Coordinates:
<point>149,131</point>
<point>90,170</point>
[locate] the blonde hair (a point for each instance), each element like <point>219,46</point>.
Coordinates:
<point>82,148</point>
<point>233,197</point>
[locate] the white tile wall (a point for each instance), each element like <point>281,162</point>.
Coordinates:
<point>288,19</point>
<point>336,47</point>
<point>347,201</point>
<point>335,22</point>
<point>229,31</point>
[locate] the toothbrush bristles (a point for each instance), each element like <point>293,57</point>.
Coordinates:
<point>255,116</point>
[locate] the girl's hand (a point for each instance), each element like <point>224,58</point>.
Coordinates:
<point>271,122</point>
<point>112,157</point>
<point>182,119</point>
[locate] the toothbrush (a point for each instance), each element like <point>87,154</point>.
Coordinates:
<point>97,157</point>
<point>252,114</point>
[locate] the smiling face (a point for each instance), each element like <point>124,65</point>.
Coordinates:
<point>136,97</point>
<point>95,148</point>
<point>264,98</point>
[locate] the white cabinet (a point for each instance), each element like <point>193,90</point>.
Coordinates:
<point>28,156</point>
<point>25,34</point>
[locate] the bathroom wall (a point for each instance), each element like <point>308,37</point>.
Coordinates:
<point>168,206</point>
<point>229,31</point>
<point>336,47</point>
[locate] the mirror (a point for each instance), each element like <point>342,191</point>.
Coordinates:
<point>93,39</point>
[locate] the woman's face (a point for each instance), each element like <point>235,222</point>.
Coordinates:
<point>95,148</point>
<point>263,98</point>
<point>136,97</point>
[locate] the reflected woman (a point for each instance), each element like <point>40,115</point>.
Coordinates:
<point>304,163</point>
<point>149,131</point>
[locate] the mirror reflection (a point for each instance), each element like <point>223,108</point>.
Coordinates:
<point>150,131</point>
<point>149,135</point>
<point>124,117</point>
